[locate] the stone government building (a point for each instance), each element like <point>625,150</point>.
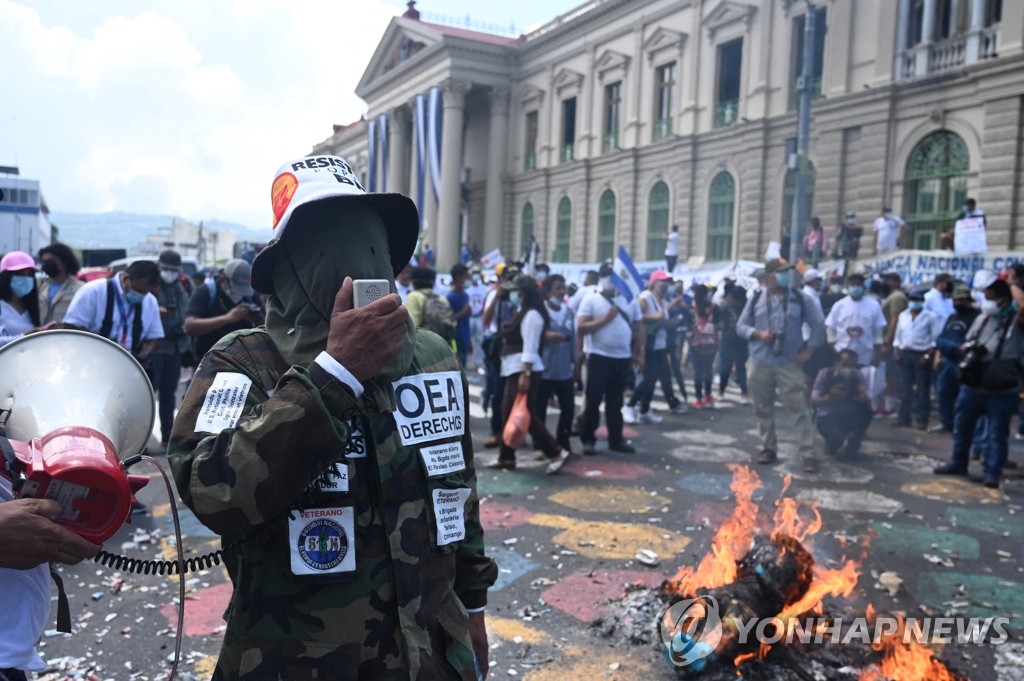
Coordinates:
<point>622,117</point>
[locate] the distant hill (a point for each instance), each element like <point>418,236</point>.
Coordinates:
<point>128,230</point>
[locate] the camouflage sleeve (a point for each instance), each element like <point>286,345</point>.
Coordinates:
<point>238,478</point>
<point>475,572</point>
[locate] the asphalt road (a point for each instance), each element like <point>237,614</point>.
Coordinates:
<point>566,547</point>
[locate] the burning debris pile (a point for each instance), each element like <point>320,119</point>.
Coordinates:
<point>753,608</point>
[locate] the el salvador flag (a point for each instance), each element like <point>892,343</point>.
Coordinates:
<point>625,276</point>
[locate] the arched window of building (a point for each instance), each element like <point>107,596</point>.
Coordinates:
<point>788,192</point>
<point>657,220</point>
<point>563,231</point>
<point>606,226</point>
<point>721,209</point>
<point>935,187</point>
<point>526,228</point>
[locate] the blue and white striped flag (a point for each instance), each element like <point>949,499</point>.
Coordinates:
<point>625,276</point>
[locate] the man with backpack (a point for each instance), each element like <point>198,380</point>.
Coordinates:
<point>165,363</point>
<point>222,305</point>
<point>427,309</point>
<point>121,308</point>
<point>772,321</point>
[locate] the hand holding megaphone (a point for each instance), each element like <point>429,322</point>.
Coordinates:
<point>73,405</point>
<point>31,536</point>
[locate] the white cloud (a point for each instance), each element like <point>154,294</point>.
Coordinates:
<point>185,109</point>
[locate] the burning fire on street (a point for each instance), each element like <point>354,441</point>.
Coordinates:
<point>754,606</point>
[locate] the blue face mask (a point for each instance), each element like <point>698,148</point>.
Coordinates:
<point>915,305</point>
<point>133,297</point>
<point>782,279</point>
<point>557,302</point>
<point>22,285</point>
<point>856,291</point>
<point>513,297</point>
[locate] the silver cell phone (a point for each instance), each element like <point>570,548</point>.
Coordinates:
<point>365,291</point>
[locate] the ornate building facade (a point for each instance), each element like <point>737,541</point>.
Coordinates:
<point>622,117</point>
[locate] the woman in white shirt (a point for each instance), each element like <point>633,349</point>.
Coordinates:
<point>522,367</point>
<point>19,297</point>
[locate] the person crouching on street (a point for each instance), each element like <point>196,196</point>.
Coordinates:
<point>842,406</point>
<point>522,368</point>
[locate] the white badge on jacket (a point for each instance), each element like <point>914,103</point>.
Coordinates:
<point>430,407</point>
<point>322,541</point>
<point>450,512</point>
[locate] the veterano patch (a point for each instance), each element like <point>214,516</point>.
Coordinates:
<point>430,407</point>
<point>443,459</point>
<point>450,512</point>
<point>322,541</point>
<point>224,402</point>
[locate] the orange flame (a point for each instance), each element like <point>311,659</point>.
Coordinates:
<point>905,659</point>
<point>731,542</point>
<point>827,582</point>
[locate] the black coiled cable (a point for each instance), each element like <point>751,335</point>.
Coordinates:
<point>141,566</point>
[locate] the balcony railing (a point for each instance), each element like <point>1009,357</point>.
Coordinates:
<point>530,162</point>
<point>989,47</point>
<point>947,55</point>
<point>662,128</point>
<point>726,113</point>
<point>568,154</point>
<point>610,142</point>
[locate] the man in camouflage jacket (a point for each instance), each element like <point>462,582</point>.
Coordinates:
<point>331,451</point>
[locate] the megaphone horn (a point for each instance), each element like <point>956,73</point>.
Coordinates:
<point>74,402</point>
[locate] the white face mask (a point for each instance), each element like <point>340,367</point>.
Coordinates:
<point>168,276</point>
<point>605,285</point>
<point>989,307</point>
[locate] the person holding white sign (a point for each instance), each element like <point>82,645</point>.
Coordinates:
<point>332,450</point>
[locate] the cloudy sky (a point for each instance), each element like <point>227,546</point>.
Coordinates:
<point>187,107</point>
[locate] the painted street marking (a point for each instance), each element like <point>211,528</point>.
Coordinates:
<point>585,593</point>
<point>610,500</point>
<point>615,541</point>
<point>849,501</point>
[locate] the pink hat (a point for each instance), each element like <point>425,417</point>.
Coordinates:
<point>17,260</point>
<point>660,275</point>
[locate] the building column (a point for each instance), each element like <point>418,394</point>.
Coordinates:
<point>973,44</point>
<point>497,152</point>
<point>927,37</point>
<point>398,149</point>
<point>449,212</point>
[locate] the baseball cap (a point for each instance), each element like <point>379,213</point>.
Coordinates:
<point>519,281</point>
<point>812,275</point>
<point>17,260</point>
<point>170,259</point>
<point>776,265</point>
<point>660,275</point>
<point>239,274</point>
<point>961,292</point>
<point>319,178</point>
<point>917,293</point>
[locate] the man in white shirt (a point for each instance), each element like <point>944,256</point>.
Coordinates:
<point>477,291</point>
<point>589,286</point>
<point>917,329</point>
<point>403,282</point>
<point>857,322</point>
<point>671,248</point>
<point>121,308</point>
<point>887,231</point>
<point>939,299</point>
<point>613,338</point>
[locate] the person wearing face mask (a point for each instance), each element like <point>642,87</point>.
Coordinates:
<point>772,321</point>
<point>841,405</point>
<point>887,231</point>
<point>122,309</point>
<point>56,291</point>
<point>613,341</point>
<point>19,301</point>
<point>656,319</point>
<point>917,330</point>
<point>939,300</point>
<point>948,344</point>
<point>559,356</point>
<point>342,464</point>
<point>990,381</point>
<point>224,304</point>
<point>477,291</point>
<point>857,322</point>
<point>165,362</point>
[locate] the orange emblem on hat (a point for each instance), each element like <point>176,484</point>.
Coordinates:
<point>281,193</point>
